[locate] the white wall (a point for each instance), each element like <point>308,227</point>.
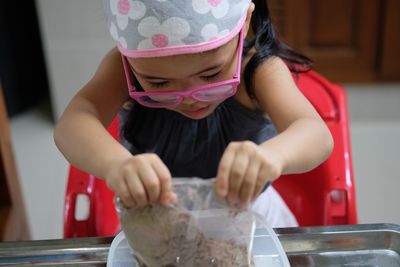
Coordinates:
<point>75,38</point>
<point>375,140</point>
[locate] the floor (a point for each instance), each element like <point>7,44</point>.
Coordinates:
<point>375,132</point>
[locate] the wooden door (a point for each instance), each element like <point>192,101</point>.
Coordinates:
<point>348,40</point>
<point>390,60</point>
<point>13,220</point>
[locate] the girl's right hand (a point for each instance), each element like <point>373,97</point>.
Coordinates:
<point>141,180</point>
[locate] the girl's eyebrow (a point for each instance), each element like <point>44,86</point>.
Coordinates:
<point>149,77</point>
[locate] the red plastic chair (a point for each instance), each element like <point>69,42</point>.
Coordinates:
<point>323,196</point>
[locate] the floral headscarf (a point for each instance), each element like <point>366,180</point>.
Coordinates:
<point>154,28</point>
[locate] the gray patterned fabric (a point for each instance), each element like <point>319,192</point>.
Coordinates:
<point>149,28</point>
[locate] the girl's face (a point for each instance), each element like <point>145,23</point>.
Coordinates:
<point>185,71</point>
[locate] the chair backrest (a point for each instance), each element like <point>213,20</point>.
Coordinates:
<point>323,196</point>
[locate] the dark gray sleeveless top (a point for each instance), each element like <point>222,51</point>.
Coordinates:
<point>192,147</point>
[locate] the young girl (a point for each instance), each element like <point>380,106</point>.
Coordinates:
<point>180,63</point>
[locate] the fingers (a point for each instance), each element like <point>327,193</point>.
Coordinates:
<point>224,170</point>
<point>249,183</point>
<point>166,195</point>
<point>151,185</point>
<point>236,166</point>
<point>142,180</point>
<point>243,172</point>
<point>236,176</point>
<point>126,197</point>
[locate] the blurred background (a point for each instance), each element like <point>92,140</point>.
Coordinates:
<point>50,48</point>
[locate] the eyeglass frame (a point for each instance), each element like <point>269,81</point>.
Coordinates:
<point>189,92</point>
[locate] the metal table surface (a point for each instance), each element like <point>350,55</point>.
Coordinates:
<point>367,245</point>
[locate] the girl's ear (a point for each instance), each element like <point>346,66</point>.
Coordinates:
<point>248,30</point>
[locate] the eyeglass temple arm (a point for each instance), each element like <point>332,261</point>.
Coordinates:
<point>239,60</point>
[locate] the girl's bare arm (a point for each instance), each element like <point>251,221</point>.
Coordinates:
<point>304,140</point>
<point>81,133</point>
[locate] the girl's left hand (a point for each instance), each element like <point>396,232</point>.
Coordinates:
<point>244,170</point>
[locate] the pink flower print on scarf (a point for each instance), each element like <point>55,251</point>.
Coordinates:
<point>158,35</point>
<point>127,9</point>
<point>219,8</point>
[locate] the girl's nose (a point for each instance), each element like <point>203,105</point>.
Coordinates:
<point>189,83</point>
<point>188,101</point>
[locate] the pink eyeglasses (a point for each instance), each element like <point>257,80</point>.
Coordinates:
<point>206,93</point>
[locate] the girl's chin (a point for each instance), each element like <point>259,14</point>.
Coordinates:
<point>197,114</point>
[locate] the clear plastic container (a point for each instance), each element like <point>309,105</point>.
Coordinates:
<point>266,249</point>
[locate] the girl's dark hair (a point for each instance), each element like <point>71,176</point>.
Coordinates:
<point>267,44</point>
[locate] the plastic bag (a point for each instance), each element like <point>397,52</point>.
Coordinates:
<point>199,230</point>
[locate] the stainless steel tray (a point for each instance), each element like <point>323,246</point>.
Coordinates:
<point>366,245</point>
<point>369,245</point>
